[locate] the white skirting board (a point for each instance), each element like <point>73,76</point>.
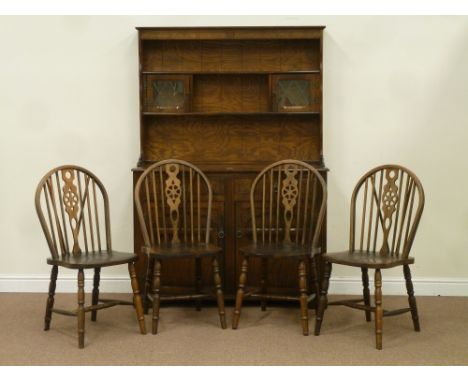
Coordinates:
<point>338,285</point>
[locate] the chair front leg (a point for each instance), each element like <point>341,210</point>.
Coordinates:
<point>219,293</point>
<point>95,300</point>
<point>264,283</point>
<point>378,309</point>
<point>156,295</point>
<point>411,298</point>
<point>303,298</point>
<point>50,298</point>
<point>365,291</point>
<point>315,282</point>
<point>240,294</point>
<point>323,301</point>
<point>198,282</point>
<point>81,311</point>
<point>137,298</point>
<point>148,283</point>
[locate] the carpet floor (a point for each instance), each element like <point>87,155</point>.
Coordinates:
<point>273,337</point>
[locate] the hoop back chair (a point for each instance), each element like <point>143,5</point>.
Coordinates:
<point>288,202</point>
<point>73,209</point>
<point>173,201</point>
<point>386,208</point>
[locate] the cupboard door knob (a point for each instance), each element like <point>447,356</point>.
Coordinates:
<point>239,233</point>
<point>221,234</point>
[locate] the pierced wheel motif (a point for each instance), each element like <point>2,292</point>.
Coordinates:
<point>289,192</point>
<point>389,202</point>
<point>71,202</point>
<point>173,192</point>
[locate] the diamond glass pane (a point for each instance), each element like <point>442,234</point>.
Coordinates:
<point>293,94</point>
<point>169,94</point>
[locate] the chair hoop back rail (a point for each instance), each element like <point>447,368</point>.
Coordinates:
<point>388,200</point>
<point>72,204</point>
<point>172,191</point>
<point>73,216</point>
<point>173,202</point>
<point>288,203</point>
<point>297,185</point>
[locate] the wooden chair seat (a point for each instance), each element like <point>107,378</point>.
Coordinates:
<point>366,259</point>
<point>277,250</point>
<point>93,259</point>
<point>169,250</point>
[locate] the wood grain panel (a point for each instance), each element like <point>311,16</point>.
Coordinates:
<point>300,55</point>
<point>212,55</point>
<point>151,55</point>
<point>232,139</point>
<point>181,56</point>
<point>230,56</point>
<point>231,93</point>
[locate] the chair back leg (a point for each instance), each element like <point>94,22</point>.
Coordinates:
<point>411,298</point>
<point>323,301</point>
<point>95,300</point>
<point>50,298</point>
<point>365,291</point>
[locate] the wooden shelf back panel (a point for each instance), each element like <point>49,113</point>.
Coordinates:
<point>233,93</point>
<point>232,139</point>
<point>231,56</point>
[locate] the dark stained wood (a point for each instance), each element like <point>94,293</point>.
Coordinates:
<point>231,132</point>
<point>72,204</point>
<point>93,260</point>
<point>173,200</point>
<point>362,259</point>
<point>386,207</point>
<point>287,204</point>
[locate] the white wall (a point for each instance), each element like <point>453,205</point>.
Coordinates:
<point>395,90</point>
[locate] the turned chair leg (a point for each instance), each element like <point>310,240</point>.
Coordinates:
<point>365,291</point>
<point>378,309</point>
<point>303,298</point>
<point>137,298</point>
<point>95,299</point>
<point>219,293</point>
<point>240,294</point>
<point>149,277</point>
<point>81,311</point>
<point>323,301</point>
<point>263,283</point>
<point>198,282</point>
<point>50,298</point>
<point>411,298</point>
<point>315,282</point>
<point>156,295</point>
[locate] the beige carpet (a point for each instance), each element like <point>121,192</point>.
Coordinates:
<point>187,337</point>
